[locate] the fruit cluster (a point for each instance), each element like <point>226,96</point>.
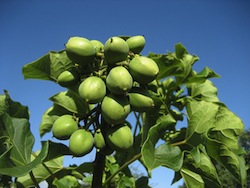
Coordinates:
<point>112,77</point>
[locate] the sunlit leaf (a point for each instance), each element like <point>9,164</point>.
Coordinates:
<point>71,102</point>
<point>228,127</point>
<point>11,169</point>
<point>207,170</point>
<point>50,116</point>
<point>201,118</point>
<point>204,91</point>
<point>231,159</point>
<point>202,76</point>
<point>21,139</point>
<point>192,179</point>
<point>48,67</point>
<point>42,172</point>
<point>126,182</point>
<point>13,108</point>
<point>180,51</point>
<point>165,155</point>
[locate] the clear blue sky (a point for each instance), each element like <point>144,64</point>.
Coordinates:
<point>217,31</point>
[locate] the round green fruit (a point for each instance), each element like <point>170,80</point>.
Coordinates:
<point>119,80</point>
<point>136,43</point>
<point>99,140</point>
<point>140,99</point>
<point>120,138</point>
<point>80,50</point>
<point>115,50</point>
<point>81,142</point>
<point>68,78</point>
<point>92,89</point>
<point>64,127</point>
<point>98,45</point>
<point>143,69</point>
<point>115,109</point>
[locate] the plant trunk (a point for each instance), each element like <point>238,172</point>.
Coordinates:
<point>99,165</point>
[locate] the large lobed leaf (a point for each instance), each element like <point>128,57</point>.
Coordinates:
<point>165,154</point>
<point>50,116</point>
<point>48,67</point>
<point>71,101</point>
<point>20,138</point>
<point>10,169</point>
<point>214,125</point>
<point>13,108</point>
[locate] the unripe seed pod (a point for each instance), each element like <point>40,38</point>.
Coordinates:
<point>136,43</point>
<point>143,69</point>
<point>92,89</point>
<point>119,80</point>
<point>80,50</point>
<point>115,50</point>
<point>115,109</point>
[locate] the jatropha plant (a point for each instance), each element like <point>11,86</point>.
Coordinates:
<point>125,107</point>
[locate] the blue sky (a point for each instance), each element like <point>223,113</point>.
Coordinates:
<point>216,31</point>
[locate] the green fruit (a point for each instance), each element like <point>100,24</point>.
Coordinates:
<point>115,50</point>
<point>99,139</point>
<point>119,80</point>
<point>143,69</point>
<point>92,89</point>
<point>115,109</point>
<point>80,50</point>
<point>120,138</point>
<point>136,43</point>
<point>140,99</point>
<point>68,78</point>
<point>98,45</point>
<point>64,127</point>
<point>81,142</point>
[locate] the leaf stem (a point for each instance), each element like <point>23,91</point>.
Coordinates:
<point>134,158</point>
<point>179,143</point>
<point>34,179</point>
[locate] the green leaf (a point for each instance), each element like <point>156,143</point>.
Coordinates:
<point>56,150</point>
<point>168,156</point>
<point>48,67</point>
<point>192,179</point>
<point>168,65</point>
<point>71,102</point>
<point>201,118</point>
<point>207,170</point>
<point>228,127</point>
<point>231,159</point>
<point>50,116</point>
<point>201,77</point>
<point>215,118</point>
<point>13,108</point>
<point>126,182</point>
<point>11,169</point>
<point>42,172</point>
<point>165,155</point>
<point>21,139</point>
<point>67,181</point>
<point>203,91</point>
<point>180,51</point>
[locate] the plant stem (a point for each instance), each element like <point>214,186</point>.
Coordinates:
<point>34,179</point>
<point>99,165</point>
<point>134,158</point>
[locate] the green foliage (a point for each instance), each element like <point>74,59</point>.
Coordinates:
<point>172,92</point>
